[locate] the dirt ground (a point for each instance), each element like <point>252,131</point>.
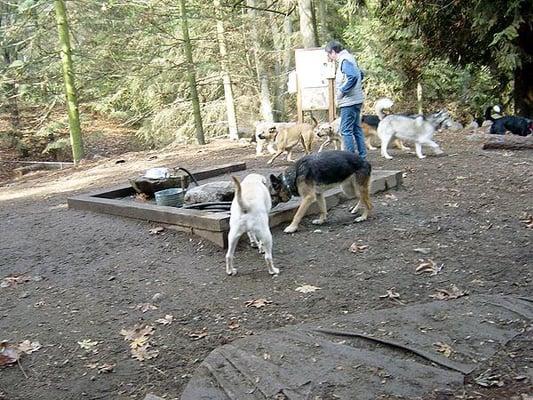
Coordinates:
<point>91,272</point>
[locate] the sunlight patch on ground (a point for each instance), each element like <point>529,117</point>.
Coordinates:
<point>108,173</point>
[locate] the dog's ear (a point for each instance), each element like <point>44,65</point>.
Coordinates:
<point>275,181</point>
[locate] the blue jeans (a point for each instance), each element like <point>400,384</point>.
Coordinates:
<point>351,129</point>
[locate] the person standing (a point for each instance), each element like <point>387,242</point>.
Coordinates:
<point>350,96</point>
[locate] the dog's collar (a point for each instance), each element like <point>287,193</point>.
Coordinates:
<point>289,186</point>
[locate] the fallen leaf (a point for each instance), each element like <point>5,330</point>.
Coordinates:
<point>105,368</point>
<point>233,324</point>
<point>307,289</point>
<point>358,248</point>
<point>144,307</point>
<point>485,379</point>
<point>14,280</point>
<point>392,295</point>
<point>443,348</point>
<point>453,293</point>
<point>87,344</point>
<point>139,342</point>
<point>428,266</point>
<point>390,196</point>
<point>165,321</point>
<point>8,354</point>
<point>258,303</point>
<point>528,220</point>
<point>142,353</point>
<point>28,347</point>
<point>156,230</point>
<point>198,334</point>
<point>137,331</point>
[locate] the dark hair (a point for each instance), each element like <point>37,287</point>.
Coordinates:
<point>334,46</point>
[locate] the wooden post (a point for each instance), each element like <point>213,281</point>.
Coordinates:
<point>331,99</point>
<point>299,110</point>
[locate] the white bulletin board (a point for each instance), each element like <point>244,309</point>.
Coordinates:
<point>314,73</point>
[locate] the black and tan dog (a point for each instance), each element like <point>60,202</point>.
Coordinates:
<point>314,174</point>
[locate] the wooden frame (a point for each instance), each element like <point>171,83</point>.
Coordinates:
<point>213,226</point>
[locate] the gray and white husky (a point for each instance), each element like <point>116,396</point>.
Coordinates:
<point>418,130</point>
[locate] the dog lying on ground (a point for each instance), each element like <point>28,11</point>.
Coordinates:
<point>263,127</point>
<point>517,125</point>
<point>312,175</point>
<point>249,213</point>
<point>418,130</point>
<point>286,137</point>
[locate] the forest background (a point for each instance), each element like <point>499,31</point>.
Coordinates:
<point>185,70</point>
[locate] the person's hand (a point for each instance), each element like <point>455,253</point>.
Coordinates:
<point>340,95</point>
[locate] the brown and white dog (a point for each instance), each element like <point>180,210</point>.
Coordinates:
<point>330,131</point>
<point>313,174</point>
<point>287,137</point>
<point>261,128</point>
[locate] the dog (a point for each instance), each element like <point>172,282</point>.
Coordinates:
<point>419,130</point>
<point>261,128</point>
<point>313,174</point>
<point>249,213</point>
<point>286,137</point>
<point>370,123</point>
<point>330,131</point>
<point>491,114</point>
<point>516,125</point>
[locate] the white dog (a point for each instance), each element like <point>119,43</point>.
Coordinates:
<point>261,129</point>
<point>249,213</point>
<point>418,130</point>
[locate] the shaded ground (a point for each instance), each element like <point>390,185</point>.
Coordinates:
<point>467,207</point>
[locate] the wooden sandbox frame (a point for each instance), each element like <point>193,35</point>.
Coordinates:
<point>210,225</point>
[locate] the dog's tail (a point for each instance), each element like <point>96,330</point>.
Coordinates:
<point>238,194</point>
<point>382,104</point>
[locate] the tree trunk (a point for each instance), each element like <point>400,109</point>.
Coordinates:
<point>264,91</point>
<point>305,10</point>
<point>278,79</point>
<point>508,142</point>
<point>191,75</point>
<point>226,79</point>
<point>9,54</point>
<point>324,34</point>
<point>12,94</point>
<point>315,22</point>
<point>68,76</point>
<point>523,76</point>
